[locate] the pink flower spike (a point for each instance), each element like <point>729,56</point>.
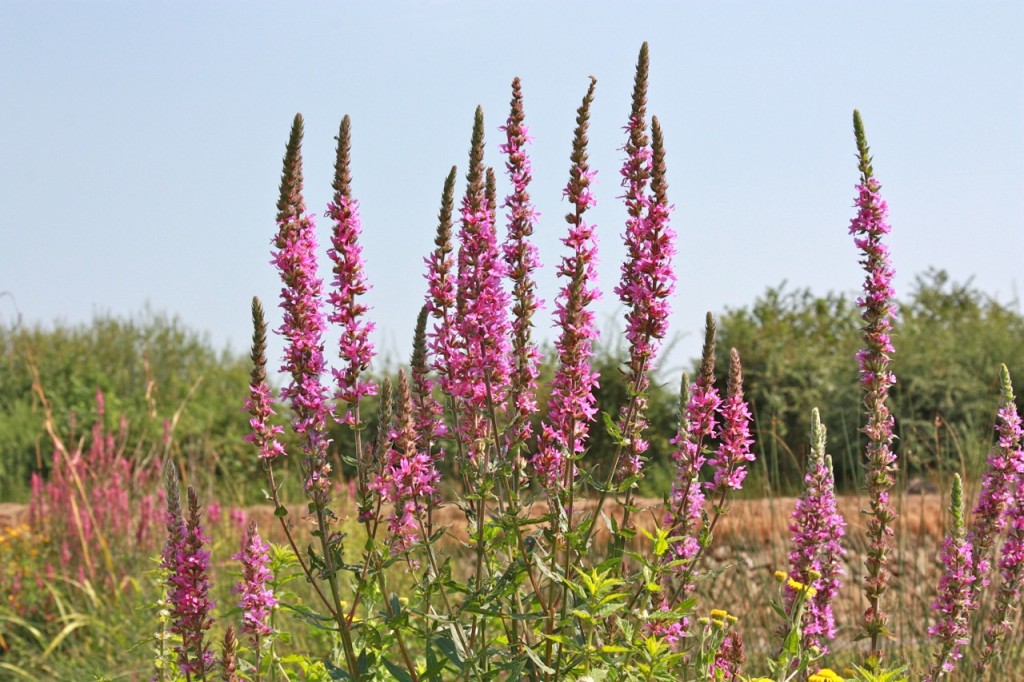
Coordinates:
<point>572,404</point>
<point>522,260</point>
<point>1010,444</point>
<point>256,597</point>
<point>955,600</point>
<point>733,452</point>
<point>304,324</point>
<point>188,586</point>
<point>349,283</point>
<point>408,477</point>
<point>264,434</point>
<point>440,300</point>
<point>868,228</point>
<point>481,369</point>
<point>816,553</point>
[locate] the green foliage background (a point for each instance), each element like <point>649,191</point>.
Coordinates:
<point>799,351</point>
<point>152,370</point>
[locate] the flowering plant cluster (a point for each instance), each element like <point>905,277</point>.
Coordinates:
<point>555,580</point>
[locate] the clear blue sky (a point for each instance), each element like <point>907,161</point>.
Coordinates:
<point>141,142</point>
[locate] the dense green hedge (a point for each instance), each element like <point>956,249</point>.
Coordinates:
<point>149,369</point>
<point>799,352</point>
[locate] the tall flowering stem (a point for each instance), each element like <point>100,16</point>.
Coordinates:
<point>349,285</point>
<point>522,260</point>
<point>1010,444</point>
<point>429,415</point>
<point>408,477</point>
<point>729,460</point>
<point>256,597</point>
<point>877,310</point>
<point>572,404</point>
<point>698,425</point>
<point>188,584</point>
<point>647,279</point>
<point>303,328</point>
<point>304,324</point>
<point>816,550</point>
<point>481,365</point>
<point>956,590</point>
<point>440,300</point>
<point>1005,465</point>
<point>264,434</point>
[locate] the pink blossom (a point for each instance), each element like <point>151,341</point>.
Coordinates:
<point>572,404</point>
<point>303,325</point>
<point>521,259</point>
<point>955,599</point>
<point>480,367</point>
<point>257,598</point>
<point>440,302</point>
<point>408,476</point>
<point>729,460</point>
<point>877,310</point>
<point>647,279</point>
<point>818,529</point>
<point>697,427</point>
<point>349,283</point>
<point>1010,443</point>
<point>188,586</point>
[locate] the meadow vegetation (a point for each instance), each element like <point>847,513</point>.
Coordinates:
<point>498,509</point>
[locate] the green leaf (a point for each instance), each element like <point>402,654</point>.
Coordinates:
<point>539,663</point>
<point>447,646</point>
<point>400,673</point>
<point>614,432</point>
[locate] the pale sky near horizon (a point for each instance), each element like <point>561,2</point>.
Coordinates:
<point>142,143</point>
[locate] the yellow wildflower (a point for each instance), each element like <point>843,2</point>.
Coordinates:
<point>825,675</point>
<point>800,587</point>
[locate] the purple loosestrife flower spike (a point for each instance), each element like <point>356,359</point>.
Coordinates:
<point>175,520</point>
<point>572,404</point>
<point>228,663</point>
<point>349,283</point>
<point>877,310</point>
<point>1010,443</point>
<point>818,530</point>
<point>1005,465</point>
<point>303,326</point>
<point>482,327</point>
<point>264,434</point>
<point>188,585</point>
<point>440,301</point>
<point>256,598</point>
<point>408,478</point>
<point>730,657</point>
<point>697,426</point>
<point>684,516</point>
<point>430,426</point>
<point>705,400</point>
<point>954,602</point>
<point>729,460</point>
<point>647,279</point>
<point>522,260</point>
